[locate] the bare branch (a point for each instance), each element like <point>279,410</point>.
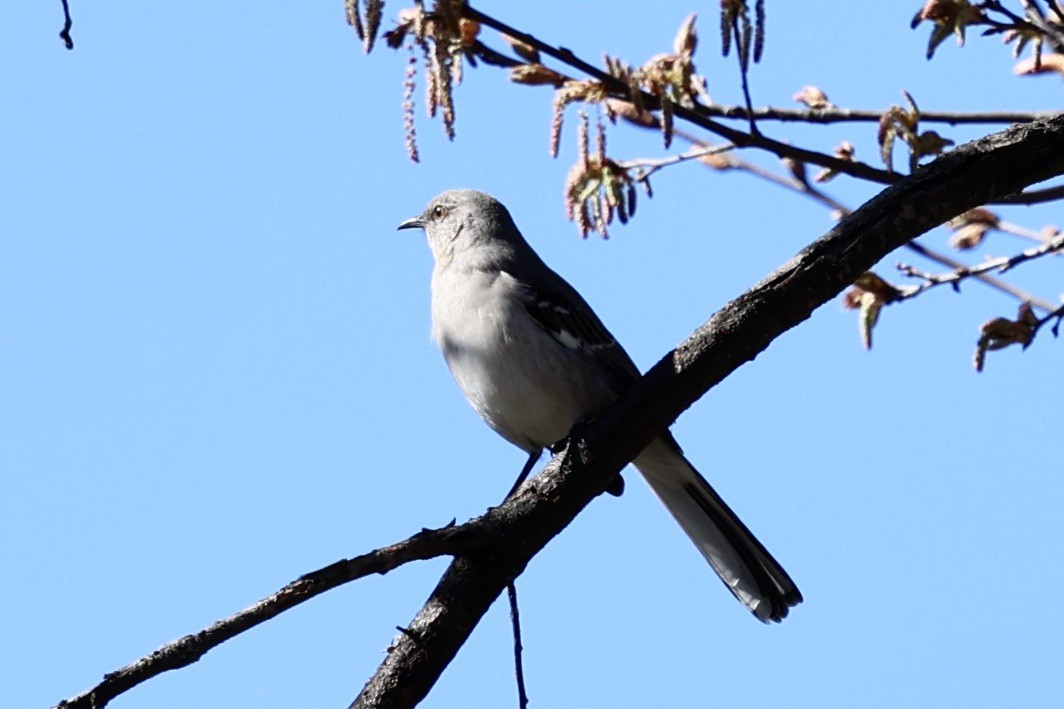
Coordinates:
<point>1049,194</point>
<point>742,56</point>
<point>184,651</point>
<point>835,114</point>
<point>1003,286</point>
<point>1001,265</point>
<point>648,166</point>
<point>519,668</point>
<point>64,34</point>
<point>1057,314</point>
<point>1025,233</point>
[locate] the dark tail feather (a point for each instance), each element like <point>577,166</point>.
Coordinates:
<point>741,561</point>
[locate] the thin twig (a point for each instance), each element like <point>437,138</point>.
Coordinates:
<point>1036,18</point>
<point>652,165</point>
<point>954,277</point>
<point>1003,286</point>
<point>1022,232</point>
<point>515,622</point>
<point>1016,20</point>
<point>64,35</point>
<point>742,55</point>
<point>511,593</point>
<point>1049,194</point>
<point>1032,9</point>
<point>835,114</point>
<point>1058,314</point>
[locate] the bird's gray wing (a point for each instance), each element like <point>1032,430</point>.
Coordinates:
<point>565,315</point>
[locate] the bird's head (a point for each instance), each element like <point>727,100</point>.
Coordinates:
<point>465,221</point>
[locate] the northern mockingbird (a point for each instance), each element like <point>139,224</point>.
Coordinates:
<point>533,359</point>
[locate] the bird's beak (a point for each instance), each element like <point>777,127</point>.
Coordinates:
<point>414,223</point>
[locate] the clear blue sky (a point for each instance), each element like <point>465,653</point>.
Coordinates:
<point>216,375</point>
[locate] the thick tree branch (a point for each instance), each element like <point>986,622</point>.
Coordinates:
<point>970,176</point>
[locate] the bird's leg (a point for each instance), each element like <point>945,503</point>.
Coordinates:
<point>572,442</point>
<point>533,458</point>
<point>575,435</point>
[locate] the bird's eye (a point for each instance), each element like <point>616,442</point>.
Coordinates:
<point>439,211</point>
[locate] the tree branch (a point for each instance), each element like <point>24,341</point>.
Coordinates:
<point>970,176</point>
<point>64,34</point>
<point>957,275</point>
<point>741,139</point>
<point>700,115</point>
<point>835,114</point>
<point>426,544</point>
<point>1052,32</point>
<point>1003,286</point>
<point>1049,194</point>
<point>646,167</point>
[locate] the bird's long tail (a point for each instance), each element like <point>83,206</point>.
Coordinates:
<point>742,563</point>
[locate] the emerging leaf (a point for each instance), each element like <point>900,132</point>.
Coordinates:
<point>686,39</point>
<point>927,143</point>
<point>999,333</point>
<point>971,227</point>
<point>870,309</point>
<point>868,296</point>
<point>536,75</point>
<point>813,98</point>
<point>979,215</point>
<point>843,151</point>
<point>969,236</point>
<point>525,51</point>
<point>632,113</point>
<point>898,122</point>
<point>949,17</point>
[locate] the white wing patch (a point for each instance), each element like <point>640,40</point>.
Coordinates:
<point>568,340</point>
<point>562,335</point>
<point>568,330</point>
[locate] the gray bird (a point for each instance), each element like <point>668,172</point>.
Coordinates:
<point>533,359</point>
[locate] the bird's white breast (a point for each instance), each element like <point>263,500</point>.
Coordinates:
<point>514,374</point>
